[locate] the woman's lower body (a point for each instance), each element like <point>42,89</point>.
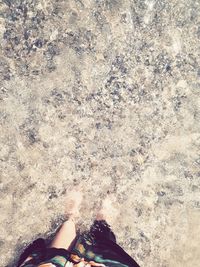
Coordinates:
<point>97,247</point>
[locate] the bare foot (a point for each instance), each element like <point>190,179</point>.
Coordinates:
<point>108,211</point>
<point>73,202</point>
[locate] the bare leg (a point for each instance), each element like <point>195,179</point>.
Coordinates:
<point>64,237</point>
<point>67,233</point>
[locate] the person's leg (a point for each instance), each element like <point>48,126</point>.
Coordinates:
<point>109,210</point>
<point>63,239</point>
<point>65,235</point>
<point>105,218</point>
<point>67,232</point>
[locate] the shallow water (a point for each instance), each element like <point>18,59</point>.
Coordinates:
<point>102,95</point>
